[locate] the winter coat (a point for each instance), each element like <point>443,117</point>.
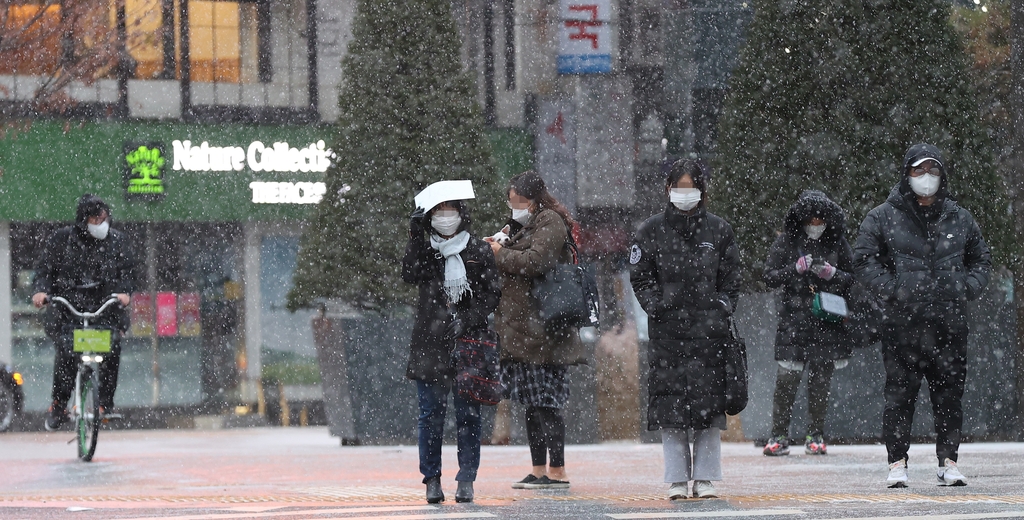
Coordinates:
<point>423,266</point>
<point>529,254</point>
<point>922,268</point>
<point>800,335</point>
<point>685,271</point>
<point>85,271</point>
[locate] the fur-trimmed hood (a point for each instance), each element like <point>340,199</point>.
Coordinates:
<point>814,203</point>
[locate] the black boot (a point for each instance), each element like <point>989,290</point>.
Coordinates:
<point>434,493</point>
<point>464,493</point>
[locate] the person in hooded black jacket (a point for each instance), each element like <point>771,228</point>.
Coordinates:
<point>925,257</point>
<point>811,255</point>
<point>458,289</point>
<point>685,272</point>
<point>84,263</point>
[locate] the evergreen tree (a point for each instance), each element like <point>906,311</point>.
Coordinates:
<point>829,94</point>
<point>408,119</point>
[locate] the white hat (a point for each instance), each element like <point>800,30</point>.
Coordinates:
<point>442,191</point>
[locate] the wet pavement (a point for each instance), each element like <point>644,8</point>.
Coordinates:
<point>300,473</point>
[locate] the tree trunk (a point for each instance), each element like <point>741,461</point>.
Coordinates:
<point>1017,189</point>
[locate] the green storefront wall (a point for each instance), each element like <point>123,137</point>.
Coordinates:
<point>47,165</point>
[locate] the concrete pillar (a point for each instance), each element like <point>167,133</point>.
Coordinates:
<point>6,353</point>
<point>253,336</point>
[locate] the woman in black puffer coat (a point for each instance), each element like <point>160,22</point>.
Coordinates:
<point>810,256</point>
<point>685,271</point>
<point>458,289</point>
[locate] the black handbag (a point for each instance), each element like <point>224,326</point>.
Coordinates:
<point>567,295</point>
<point>736,384</point>
<point>477,363</point>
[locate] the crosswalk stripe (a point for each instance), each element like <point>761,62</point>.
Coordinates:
<point>707,514</point>
<point>969,516</point>
<point>335,511</point>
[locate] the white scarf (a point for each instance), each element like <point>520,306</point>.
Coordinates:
<point>455,281</point>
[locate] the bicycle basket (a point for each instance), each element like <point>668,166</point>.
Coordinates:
<point>92,340</point>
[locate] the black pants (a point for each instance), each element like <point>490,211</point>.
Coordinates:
<point>545,430</point>
<point>819,385</point>
<point>65,367</point>
<point>933,351</point>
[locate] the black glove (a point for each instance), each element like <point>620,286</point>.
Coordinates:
<point>417,221</point>
<point>454,329</point>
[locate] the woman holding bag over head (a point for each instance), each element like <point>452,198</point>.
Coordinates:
<point>458,289</point>
<point>535,360</point>
<point>685,271</point>
<point>810,256</point>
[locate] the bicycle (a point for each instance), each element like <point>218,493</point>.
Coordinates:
<point>11,396</point>
<point>91,344</point>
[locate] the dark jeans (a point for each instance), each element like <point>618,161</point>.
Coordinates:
<point>65,367</point>
<point>433,399</point>
<point>933,351</point>
<point>819,386</point>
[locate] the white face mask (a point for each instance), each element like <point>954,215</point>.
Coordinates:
<point>99,231</point>
<point>446,221</point>
<point>925,185</point>
<point>684,198</point>
<point>814,232</point>
<point>521,216</point>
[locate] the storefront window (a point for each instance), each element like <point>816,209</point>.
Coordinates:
<point>224,38</point>
<point>35,31</point>
<point>186,314</point>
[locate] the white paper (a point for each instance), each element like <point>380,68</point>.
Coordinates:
<point>444,191</point>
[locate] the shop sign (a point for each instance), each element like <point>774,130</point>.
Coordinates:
<point>585,37</point>
<point>144,167</point>
<point>279,157</point>
<point>166,314</point>
<point>287,192</point>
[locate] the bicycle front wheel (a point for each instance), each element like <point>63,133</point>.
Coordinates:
<point>88,419</point>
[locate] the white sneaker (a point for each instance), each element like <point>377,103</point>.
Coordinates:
<point>897,474</point>
<point>677,491</point>
<point>704,489</point>
<point>950,476</point>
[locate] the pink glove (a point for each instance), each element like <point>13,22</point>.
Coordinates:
<point>826,271</point>
<point>803,264</point>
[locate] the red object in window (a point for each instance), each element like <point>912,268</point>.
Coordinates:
<point>166,314</point>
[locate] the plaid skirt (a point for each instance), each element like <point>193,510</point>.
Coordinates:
<point>535,385</point>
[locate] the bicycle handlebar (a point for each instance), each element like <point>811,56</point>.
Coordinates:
<point>87,315</point>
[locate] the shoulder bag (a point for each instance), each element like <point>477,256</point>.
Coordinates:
<point>567,295</point>
<point>476,361</point>
<point>736,385</point>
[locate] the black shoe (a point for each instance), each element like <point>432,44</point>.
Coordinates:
<point>547,483</point>
<point>434,493</point>
<point>351,441</point>
<point>522,483</point>
<point>58,415</point>
<point>464,493</point>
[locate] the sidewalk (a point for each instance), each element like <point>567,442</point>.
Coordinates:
<point>306,465</point>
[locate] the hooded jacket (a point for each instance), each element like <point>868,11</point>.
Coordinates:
<point>423,266</point>
<point>800,335</point>
<point>685,272</point>
<point>921,266</point>
<point>85,270</point>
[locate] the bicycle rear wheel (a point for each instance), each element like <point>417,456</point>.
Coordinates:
<point>88,417</point>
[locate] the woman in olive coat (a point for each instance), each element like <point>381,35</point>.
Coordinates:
<point>534,359</point>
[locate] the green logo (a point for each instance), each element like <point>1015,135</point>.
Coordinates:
<point>144,171</point>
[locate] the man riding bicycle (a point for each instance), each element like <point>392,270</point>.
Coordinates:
<point>85,263</point>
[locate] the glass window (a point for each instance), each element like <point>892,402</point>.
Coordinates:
<point>36,34</point>
<point>224,41</point>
